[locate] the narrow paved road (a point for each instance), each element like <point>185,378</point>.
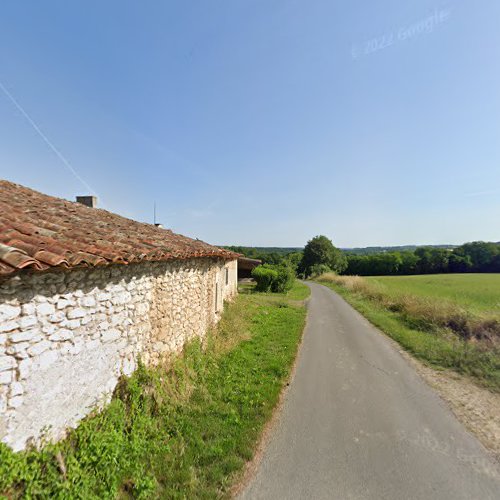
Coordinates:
<point>359,423</point>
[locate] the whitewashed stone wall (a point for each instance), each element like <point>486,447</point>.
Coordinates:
<point>67,336</point>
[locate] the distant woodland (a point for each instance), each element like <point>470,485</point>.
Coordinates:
<point>478,256</point>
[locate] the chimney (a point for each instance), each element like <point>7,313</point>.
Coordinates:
<point>89,201</point>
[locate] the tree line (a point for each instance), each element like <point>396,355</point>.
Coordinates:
<point>476,257</point>
<point>268,255</point>
<point>320,256</point>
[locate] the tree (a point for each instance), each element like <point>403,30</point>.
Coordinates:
<point>319,269</point>
<point>424,264</point>
<point>378,264</point>
<point>432,260</point>
<point>439,260</point>
<point>357,265</point>
<point>495,264</point>
<point>292,260</point>
<point>481,254</point>
<point>459,263</point>
<point>320,250</point>
<point>409,263</point>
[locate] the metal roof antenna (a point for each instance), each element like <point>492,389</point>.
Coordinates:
<point>157,224</point>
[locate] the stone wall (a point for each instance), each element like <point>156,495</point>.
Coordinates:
<point>67,336</point>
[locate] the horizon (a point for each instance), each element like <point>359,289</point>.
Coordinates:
<point>416,245</point>
<point>375,125</point>
<point>399,245</point>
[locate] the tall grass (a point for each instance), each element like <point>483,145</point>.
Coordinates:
<point>424,313</point>
<point>478,293</point>
<point>445,334</point>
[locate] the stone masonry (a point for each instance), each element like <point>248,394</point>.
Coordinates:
<point>67,336</point>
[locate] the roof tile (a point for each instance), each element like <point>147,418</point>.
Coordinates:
<point>38,232</point>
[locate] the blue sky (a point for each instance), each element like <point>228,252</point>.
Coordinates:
<point>261,122</point>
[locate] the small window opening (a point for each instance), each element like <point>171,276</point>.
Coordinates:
<point>227,276</point>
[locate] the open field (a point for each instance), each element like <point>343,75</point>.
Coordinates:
<point>182,430</point>
<point>449,322</point>
<point>478,293</point>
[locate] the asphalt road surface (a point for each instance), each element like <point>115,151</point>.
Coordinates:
<point>359,423</point>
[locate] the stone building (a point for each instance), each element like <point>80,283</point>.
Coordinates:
<point>84,293</point>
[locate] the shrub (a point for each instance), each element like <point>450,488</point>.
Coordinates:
<point>276,279</point>
<point>284,280</point>
<point>264,276</point>
<point>319,269</point>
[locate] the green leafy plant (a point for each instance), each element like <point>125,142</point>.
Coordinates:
<point>264,277</point>
<point>284,280</point>
<point>276,279</point>
<point>319,269</point>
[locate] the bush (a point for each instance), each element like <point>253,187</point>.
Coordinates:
<point>276,279</point>
<point>319,269</point>
<point>264,276</point>
<point>284,280</point>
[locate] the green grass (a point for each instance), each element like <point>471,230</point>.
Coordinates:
<point>299,292</point>
<point>479,293</point>
<point>417,325</point>
<point>182,431</point>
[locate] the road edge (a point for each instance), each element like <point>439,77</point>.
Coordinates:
<point>252,465</point>
<point>455,391</point>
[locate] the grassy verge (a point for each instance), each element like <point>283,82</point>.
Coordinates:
<point>479,294</point>
<point>422,328</point>
<point>182,431</point>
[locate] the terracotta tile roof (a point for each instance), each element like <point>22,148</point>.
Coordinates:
<point>38,232</point>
